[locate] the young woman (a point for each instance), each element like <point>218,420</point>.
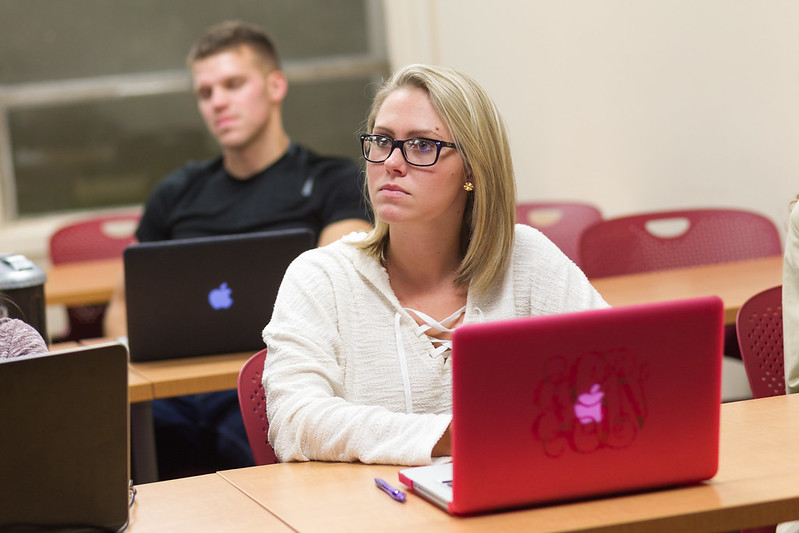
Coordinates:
<point>358,365</point>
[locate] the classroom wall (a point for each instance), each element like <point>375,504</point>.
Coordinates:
<point>630,104</point>
<point>633,105</point>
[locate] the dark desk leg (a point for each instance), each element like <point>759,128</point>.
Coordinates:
<point>144,464</point>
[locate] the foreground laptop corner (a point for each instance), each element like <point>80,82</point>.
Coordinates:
<point>65,439</point>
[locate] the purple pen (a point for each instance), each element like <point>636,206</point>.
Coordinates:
<point>391,491</point>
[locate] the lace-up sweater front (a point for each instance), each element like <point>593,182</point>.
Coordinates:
<point>349,374</point>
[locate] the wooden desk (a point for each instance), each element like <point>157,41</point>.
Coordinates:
<point>177,377</point>
<point>198,504</point>
<point>733,282</point>
<point>82,283</point>
<point>756,485</point>
<point>140,388</point>
<point>94,281</point>
<point>193,375</point>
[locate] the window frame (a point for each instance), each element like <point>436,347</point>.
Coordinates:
<point>52,93</point>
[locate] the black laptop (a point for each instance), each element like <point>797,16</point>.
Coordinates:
<point>64,459</point>
<point>207,295</point>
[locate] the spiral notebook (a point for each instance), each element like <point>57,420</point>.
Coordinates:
<point>579,405</point>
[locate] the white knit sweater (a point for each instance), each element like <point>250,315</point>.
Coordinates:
<point>339,338</point>
<point>790,302</point>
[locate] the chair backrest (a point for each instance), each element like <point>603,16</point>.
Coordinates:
<point>252,402</point>
<point>561,222</point>
<point>759,327</point>
<point>100,237</point>
<point>673,239</point>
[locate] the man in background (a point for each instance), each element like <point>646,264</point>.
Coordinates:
<point>261,181</point>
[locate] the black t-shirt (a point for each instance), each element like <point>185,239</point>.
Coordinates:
<point>300,190</point>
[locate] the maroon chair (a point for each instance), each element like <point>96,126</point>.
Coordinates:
<point>101,237</point>
<point>252,402</point>
<point>561,222</point>
<point>664,240</point>
<point>638,243</point>
<point>759,326</point>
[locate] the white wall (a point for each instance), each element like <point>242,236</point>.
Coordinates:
<point>630,104</point>
<point>633,105</point>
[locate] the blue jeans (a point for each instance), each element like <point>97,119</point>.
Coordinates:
<point>200,434</point>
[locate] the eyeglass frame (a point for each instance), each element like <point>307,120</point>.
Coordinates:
<point>396,143</point>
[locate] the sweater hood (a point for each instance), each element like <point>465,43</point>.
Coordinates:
<point>368,267</point>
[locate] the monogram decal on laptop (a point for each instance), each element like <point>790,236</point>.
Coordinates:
<point>590,403</point>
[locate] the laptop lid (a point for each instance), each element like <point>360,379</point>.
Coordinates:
<point>64,440</point>
<point>208,295</point>
<point>576,405</point>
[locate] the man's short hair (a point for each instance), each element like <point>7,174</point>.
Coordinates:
<point>233,34</point>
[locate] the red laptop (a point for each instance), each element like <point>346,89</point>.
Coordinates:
<point>577,405</point>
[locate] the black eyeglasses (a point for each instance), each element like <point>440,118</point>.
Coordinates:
<point>418,151</point>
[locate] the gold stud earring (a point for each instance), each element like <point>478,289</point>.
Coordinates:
<point>468,186</point>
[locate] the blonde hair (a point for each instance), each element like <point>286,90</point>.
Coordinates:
<point>479,131</point>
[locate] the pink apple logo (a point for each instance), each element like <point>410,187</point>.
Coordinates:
<point>219,298</point>
<point>573,414</point>
<point>589,405</point>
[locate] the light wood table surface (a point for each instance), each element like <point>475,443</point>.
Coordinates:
<point>94,281</point>
<point>192,375</point>
<point>83,282</point>
<point>140,388</point>
<point>177,377</point>
<point>757,484</point>
<point>733,282</point>
<point>198,504</point>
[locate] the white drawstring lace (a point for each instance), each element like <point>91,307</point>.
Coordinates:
<point>442,344</point>
<point>431,323</point>
<point>403,361</point>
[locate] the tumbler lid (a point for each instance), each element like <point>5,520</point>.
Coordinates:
<point>19,272</point>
